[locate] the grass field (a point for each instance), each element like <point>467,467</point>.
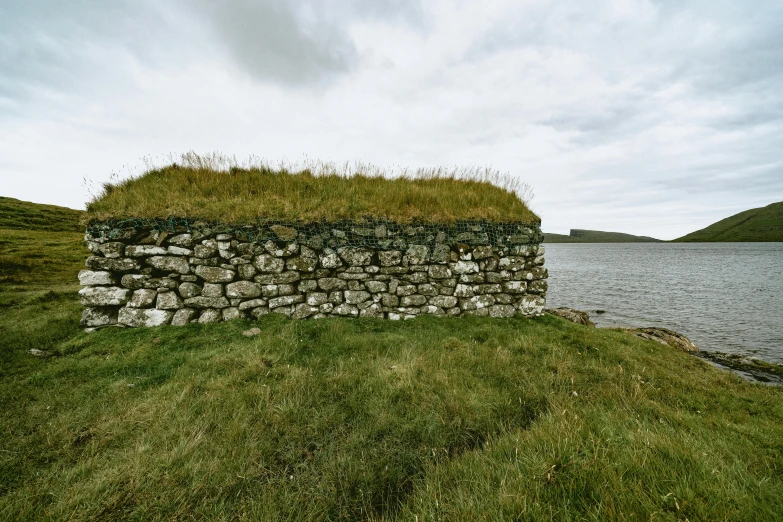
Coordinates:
<point>208,188</point>
<point>430,419</point>
<point>23,215</point>
<point>756,224</point>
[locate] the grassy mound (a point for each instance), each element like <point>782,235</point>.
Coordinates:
<point>757,224</point>
<point>597,236</point>
<point>435,419</point>
<point>23,215</point>
<point>239,195</point>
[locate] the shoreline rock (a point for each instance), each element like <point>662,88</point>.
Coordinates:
<point>749,368</point>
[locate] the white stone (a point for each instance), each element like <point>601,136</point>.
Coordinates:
<point>229,314</point>
<point>179,251</point>
<point>104,296</point>
<point>243,289</point>
<point>93,278</point>
<point>212,290</point>
<point>210,316</point>
<point>142,298</point>
<point>464,267</point>
<point>148,317</point>
<point>182,317</point>
<point>253,303</point>
<point>168,301</point>
<point>170,264</point>
<point>145,250</point>
<point>92,317</point>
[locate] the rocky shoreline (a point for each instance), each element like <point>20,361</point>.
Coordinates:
<point>749,368</point>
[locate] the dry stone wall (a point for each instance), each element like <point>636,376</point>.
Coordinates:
<point>146,277</point>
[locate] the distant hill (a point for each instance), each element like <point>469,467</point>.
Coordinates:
<point>756,224</point>
<point>24,215</point>
<point>596,236</point>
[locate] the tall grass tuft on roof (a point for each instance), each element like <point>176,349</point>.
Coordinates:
<point>218,188</point>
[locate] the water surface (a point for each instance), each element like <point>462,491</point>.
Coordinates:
<point>724,296</point>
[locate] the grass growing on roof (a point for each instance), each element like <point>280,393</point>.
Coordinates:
<point>215,191</point>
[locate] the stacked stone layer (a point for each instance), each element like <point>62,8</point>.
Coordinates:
<point>149,278</point>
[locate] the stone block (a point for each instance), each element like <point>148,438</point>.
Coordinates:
<point>243,289</point>
<point>143,298</point>
<point>168,301</point>
<point>212,290</point>
<point>303,310</point>
<point>97,296</point>
<point>285,290</point>
<point>440,254</point>
<point>148,317</point>
<point>487,289</point>
<point>210,316</point>
<point>438,272</point>
<point>346,309</point>
<point>213,274</point>
<point>284,233</point>
<point>253,303</point>
<point>403,290</point>
<point>390,257</point>
<point>331,260</point>
<point>515,287</point>
<point>207,302</point>
<point>258,312</point>
<point>170,264</point>
<point>145,250</point>
<point>464,267</point>
<point>178,251</point>
<point>247,271</point>
<point>375,287</point>
<point>112,265</point>
<point>182,316</point>
<point>229,314</point>
<point>94,278</point>
<point>329,284</point>
<point>355,256</point>
<point>443,301</point>
<point>308,285</point>
<point>417,254</point>
<point>287,300</point>
<point>390,300</point>
<point>427,289</point>
<point>207,248</point>
<point>413,300</point>
<point>95,317</point>
<point>268,263</point>
<point>182,240</point>
<point>187,290</point>
<point>112,250</point>
<point>512,263</point>
<point>356,297</point>
<point>277,279</point>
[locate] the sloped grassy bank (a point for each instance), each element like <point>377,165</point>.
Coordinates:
<point>475,418</point>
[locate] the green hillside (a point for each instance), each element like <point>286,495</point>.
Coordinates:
<point>23,215</point>
<point>596,236</point>
<point>756,224</point>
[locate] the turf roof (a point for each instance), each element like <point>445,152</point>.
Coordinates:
<point>245,195</point>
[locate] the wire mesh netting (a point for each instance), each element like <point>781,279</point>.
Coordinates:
<point>372,233</point>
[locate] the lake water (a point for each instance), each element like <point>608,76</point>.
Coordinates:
<point>725,297</point>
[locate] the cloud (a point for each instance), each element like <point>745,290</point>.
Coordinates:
<point>648,117</point>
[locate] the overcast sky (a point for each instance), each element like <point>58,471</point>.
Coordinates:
<point>647,117</point>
